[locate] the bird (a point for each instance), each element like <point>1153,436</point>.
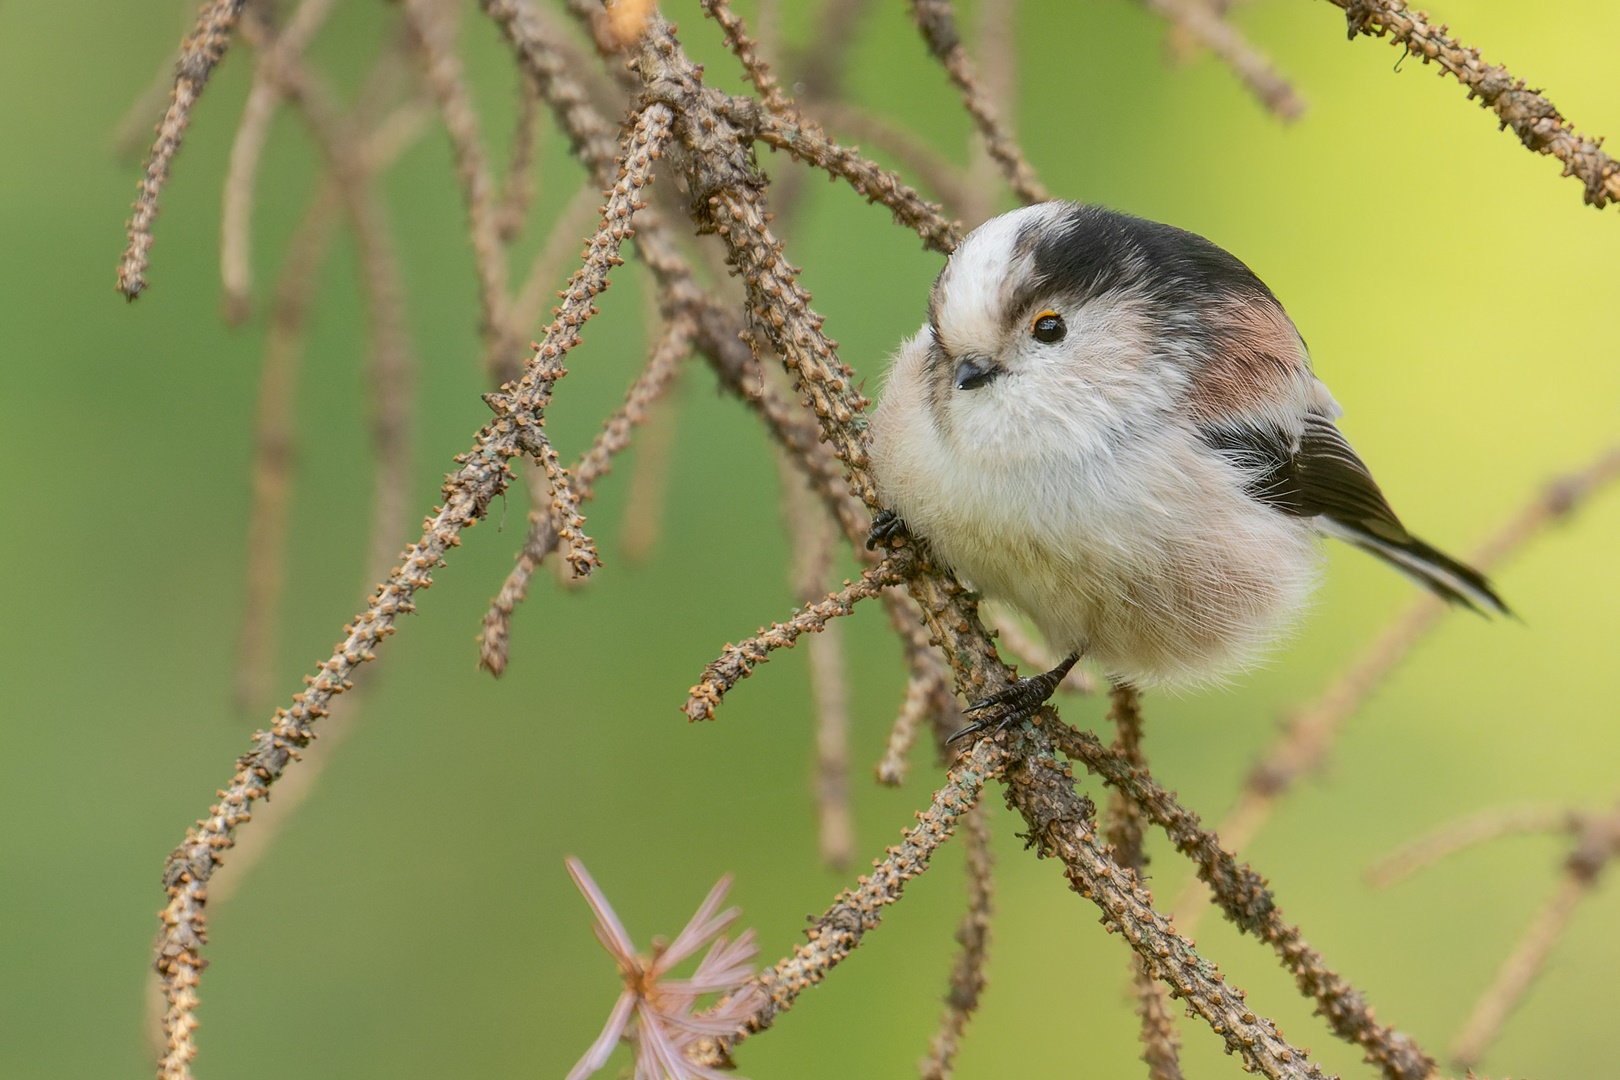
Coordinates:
<point>1112,424</point>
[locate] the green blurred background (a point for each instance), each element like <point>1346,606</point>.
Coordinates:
<point>413,917</point>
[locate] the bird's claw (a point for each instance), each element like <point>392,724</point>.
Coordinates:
<point>1021,700</point>
<point>885,527</point>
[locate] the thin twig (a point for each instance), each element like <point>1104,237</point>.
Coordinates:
<point>857,911</point>
<point>1304,744</point>
<point>1200,21</point>
<point>518,193</point>
<point>1534,119</point>
<point>956,190</point>
<point>973,935</point>
<point>815,537</point>
<point>1244,898</point>
<point>1161,1046</point>
<point>247,149</point>
<point>737,662</point>
<point>937,21</point>
<point>481,475</point>
<point>1596,847</point>
<point>273,447</point>
<point>1472,831</point>
<point>431,33</point>
<point>543,535</point>
<point>199,54</point>
<point>803,138</point>
<point>746,50</point>
<point>273,438</point>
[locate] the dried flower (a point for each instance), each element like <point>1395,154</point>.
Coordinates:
<point>662,1008</point>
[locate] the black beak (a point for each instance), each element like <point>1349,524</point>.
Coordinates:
<point>975,371</point>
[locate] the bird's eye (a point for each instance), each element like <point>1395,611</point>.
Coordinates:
<point>1048,327</point>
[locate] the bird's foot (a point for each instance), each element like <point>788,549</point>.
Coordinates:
<point>885,527</point>
<point>1017,702</point>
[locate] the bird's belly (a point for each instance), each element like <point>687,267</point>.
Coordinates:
<point>1150,598</point>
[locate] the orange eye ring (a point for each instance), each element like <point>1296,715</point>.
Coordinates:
<point>1048,327</point>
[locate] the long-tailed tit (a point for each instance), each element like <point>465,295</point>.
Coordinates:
<point>1113,424</point>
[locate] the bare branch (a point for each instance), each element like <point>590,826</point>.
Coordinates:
<point>431,35</point>
<point>1245,900</point>
<point>1596,846</point>
<point>737,662</point>
<point>1201,22</point>
<point>1161,1047</point>
<point>199,54</point>
<point>481,475</point>
<point>544,535</point>
<point>1459,836</point>
<point>837,932</point>
<point>518,192</point>
<point>803,138</point>
<point>746,50</point>
<point>937,21</point>
<point>1535,120</point>
<point>241,176</point>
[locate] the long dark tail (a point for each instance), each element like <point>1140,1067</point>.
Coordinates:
<point>1428,566</point>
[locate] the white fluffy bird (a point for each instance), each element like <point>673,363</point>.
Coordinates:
<point>1113,424</point>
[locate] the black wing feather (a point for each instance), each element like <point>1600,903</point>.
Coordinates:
<point>1317,474</point>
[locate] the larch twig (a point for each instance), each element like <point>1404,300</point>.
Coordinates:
<point>543,536</point>
<point>247,149</point>
<point>973,936</point>
<point>1305,742</point>
<point>1161,1047</point>
<point>1532,117</point>
<point>737,662</point>
<point>1472,831</point>
<point>480,476</point>
<point>937,21</point>
<point>200,53</point>
<point>1201,21</point>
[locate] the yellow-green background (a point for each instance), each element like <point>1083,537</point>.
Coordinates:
<point>414,918</point>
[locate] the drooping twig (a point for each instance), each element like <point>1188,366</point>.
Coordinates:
<point>1200,21</point>
<point>1161,1047</point>
<point>247,149</point>
<point>430,30</point>
<point>517,194</point>
<point>814,537</point>
<point>973,935</point>
<point>737,662</point>
<point>273,437</point>
<point>1304,744</point>
<point>199,55</point>
<point>480,476</point>
<point>937,21</point>
<point>273,448</point>
<point>1534,119</point>
<point>802,138</point>
<point>543,536</point>
<point>857,911</point>
<point>944,178</point>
